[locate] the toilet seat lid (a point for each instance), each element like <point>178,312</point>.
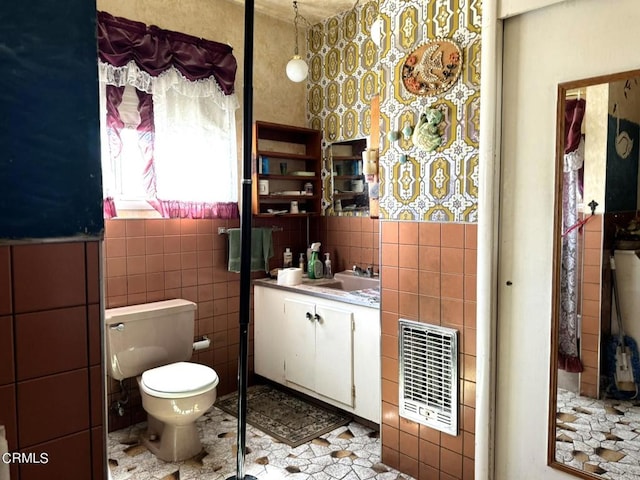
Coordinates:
<point>179,378</point>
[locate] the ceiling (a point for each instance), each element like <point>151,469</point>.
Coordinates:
<point>313,10</point>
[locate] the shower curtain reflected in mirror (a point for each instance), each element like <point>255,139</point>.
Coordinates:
<point>568,353</point>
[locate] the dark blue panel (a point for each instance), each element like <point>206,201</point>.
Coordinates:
<point>621,194</point>
<point>50,178</point>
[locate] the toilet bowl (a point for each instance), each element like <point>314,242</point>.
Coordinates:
<point>153,342</point>
<point>174,397</point>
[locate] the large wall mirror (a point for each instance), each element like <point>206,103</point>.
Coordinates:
<point>347,186</point>
<point>594,419</point>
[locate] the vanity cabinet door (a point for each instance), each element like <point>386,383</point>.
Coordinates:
<point>299,346</point>
<point>334,354</point>
<point>269,333</point>
<point>319,349</point>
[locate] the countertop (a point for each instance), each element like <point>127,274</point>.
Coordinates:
<point>368,297</point>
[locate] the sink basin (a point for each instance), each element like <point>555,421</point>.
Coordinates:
<point>349,282</point>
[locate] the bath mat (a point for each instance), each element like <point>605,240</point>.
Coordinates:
<point>285,417</point>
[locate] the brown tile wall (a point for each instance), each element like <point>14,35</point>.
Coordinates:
<point>51,389</point>
<point>592,275</point>
<point>428,274</point>
<point>157,259</point>
<point>148,260</point>
<point>351,241</point>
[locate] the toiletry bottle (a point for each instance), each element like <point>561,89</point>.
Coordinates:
<point>288,258</point>
<point>301,262</point>
<point>312,265</point>
<point>317,265</point>
<point>328,273</point>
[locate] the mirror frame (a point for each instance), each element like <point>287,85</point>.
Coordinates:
<point>563,88</point>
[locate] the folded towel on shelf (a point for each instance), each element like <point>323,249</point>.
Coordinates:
<point>261,249</point>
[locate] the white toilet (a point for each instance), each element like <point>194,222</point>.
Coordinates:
<point>152,342</point>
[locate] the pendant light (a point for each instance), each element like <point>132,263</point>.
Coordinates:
<point>297,68</point>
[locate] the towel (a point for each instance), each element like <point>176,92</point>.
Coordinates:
<point>261,249</point>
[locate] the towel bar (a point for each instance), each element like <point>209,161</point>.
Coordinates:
<point>223,230</point>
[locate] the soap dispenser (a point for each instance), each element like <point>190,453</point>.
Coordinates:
<point>328,273</point>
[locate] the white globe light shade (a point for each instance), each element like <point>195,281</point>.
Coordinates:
<point>376,31</point>
<point>297,69</point>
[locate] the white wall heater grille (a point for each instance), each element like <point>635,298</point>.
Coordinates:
<point>429,375</point>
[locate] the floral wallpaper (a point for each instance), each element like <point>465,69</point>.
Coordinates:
<point>347,68</point>
<point>342,79</point>
<point>342,74</point>
<point>441,185</point>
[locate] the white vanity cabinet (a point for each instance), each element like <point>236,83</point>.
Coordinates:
<point>324,348</point>
<point>319,348</point>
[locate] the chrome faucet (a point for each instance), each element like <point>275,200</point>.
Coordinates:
<point>359,272</point>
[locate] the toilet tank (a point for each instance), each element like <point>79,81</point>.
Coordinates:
<point>140,337</point>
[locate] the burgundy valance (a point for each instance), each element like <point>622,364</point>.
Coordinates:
<point>573,115</point>
<point>154,50</point>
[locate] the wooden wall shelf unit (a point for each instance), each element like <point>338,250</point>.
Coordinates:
<point>300,149</point>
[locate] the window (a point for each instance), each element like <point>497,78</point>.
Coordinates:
<point>122,171</point>
<point>168,131</point>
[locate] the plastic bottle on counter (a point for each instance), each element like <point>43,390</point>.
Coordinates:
<point>288,258</point>
<point>301,262</point>
<point>317,265</point>
<point>314,266</point>
<point>328,273</point>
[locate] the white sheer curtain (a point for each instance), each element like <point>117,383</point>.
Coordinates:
<point>193,126</point>
<point>194,140</point>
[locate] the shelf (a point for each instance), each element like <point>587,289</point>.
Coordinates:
<point>276,143</point>
<point>284,133</point>
<point>286,198</point>
<point>349,194</point>
<point>287,156</point>
<point>345,158</point>
<point>273,176</point>
<point>348,177</point>
<point>271,215</point>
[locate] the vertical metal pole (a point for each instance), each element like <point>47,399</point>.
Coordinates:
<point>245,239</point>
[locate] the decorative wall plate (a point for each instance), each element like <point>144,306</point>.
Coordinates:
<point>432,68</point>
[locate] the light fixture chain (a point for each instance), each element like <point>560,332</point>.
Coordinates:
<point>295,25</point>
<point>297,68</point>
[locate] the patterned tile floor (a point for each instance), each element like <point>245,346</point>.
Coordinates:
<point>598,436</point>
<point>351,452</point>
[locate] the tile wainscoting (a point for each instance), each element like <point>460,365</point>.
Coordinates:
<point>51,389</point>
<point>428,274</point>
